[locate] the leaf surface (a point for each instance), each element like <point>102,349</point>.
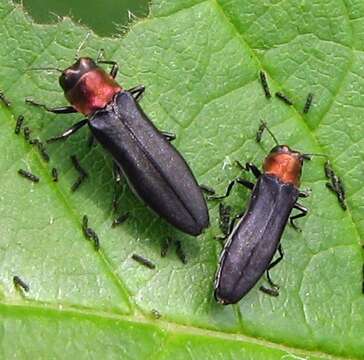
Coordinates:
<point>199,61</point>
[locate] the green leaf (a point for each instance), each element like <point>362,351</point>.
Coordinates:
<point>199,61</point>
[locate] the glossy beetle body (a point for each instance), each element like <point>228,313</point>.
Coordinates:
<point>154,169</point>
<point>250,247</point>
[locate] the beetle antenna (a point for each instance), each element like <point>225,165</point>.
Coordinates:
<point>82,44</point>
<point>316,154</point>
<point>308,156</point>
<point>45,69</point>
<point>263,125</point>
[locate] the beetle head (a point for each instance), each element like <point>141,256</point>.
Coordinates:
<point>285,149</point>
<point>73,74</point>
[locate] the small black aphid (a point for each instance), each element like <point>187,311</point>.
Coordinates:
<point>43,151</point>
<point>264,82</point>
<point>284,98</point>
<point>341,188</point>
<point>180,253</point>
<point>28,175</point>
<point>81,171</point>
<point>121,219</point>
<point>339,194</point>
<point>166,244</point>
<point>335,185</point>
<point>19,123</point>
<point>142,260</point>
<point>26,132</point>
<point>308,103</point>
<point>34,141</point>
<point>77,183</point>
<point>78,166</point>
<point>20,283</point>
<point>156,314</point>
<point>91,234</point>
<point>269,291</point>
<point>258,137</point>
<point>54,174</point>
<point>329,172</point>
<point>4,99</point>
<point>207,189</point>
<point>84,222</point>
<point>224,219</point>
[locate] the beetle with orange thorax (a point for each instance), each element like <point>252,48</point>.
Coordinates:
<point>253,241</point>
<point>154,169</point>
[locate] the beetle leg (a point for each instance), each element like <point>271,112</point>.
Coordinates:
<point>70,131</point>
<point>239,164</point>
<point>228,190</point>
<point>303,212</point>
<point>168,135</point>
<point>274,263</point>
<point>273,291</point>
<point>118,177</point>
<point>56,110</point>
<point>251,167</point>
<point>137,92</point>
<point>238,180</point>
<point>207,189</point>
<point>114,69</point>
<point>245,183</point>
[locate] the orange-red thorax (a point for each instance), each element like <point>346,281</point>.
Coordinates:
<point>93,91</point>
<point>285,165</point>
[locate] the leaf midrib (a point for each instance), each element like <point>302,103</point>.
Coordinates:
<point>49,309</point>
<point>46,178</point>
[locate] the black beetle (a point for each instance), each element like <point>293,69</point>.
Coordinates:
<point>253,241</point>
<point>154,169</point>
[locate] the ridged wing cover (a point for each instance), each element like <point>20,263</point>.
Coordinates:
<point>153,167</point>
<point>254,240</point>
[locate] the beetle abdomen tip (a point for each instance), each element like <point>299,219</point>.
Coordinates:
<point>197,228</point>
